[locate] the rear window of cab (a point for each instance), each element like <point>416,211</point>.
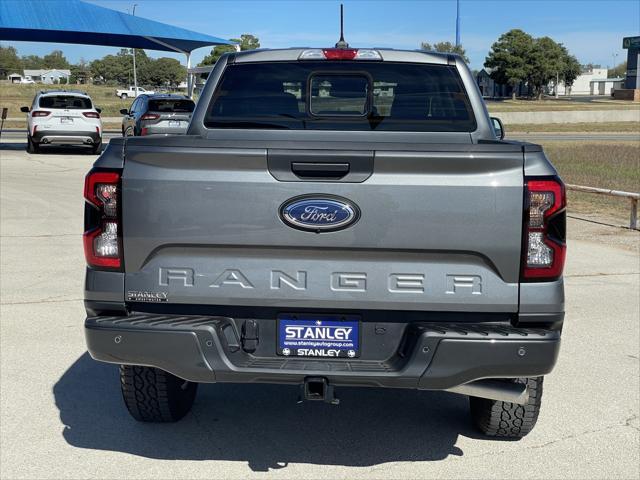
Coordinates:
<point>357,96</point>
<point>172,105</point>
<point>66,102</point>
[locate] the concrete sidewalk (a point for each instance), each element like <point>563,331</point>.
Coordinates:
<point>62,416</point>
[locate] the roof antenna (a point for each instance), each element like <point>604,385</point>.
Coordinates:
<point>341,43</point>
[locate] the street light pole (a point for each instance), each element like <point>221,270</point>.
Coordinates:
<point>614,55</point>
<point>135,77</point>
<point>457,23</point>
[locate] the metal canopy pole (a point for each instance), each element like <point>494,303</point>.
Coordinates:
<point>189,76</point>
<point>135,76</point>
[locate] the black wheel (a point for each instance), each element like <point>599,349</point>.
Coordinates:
<point>32,147</point>
<point>124,96</point>
<point>508,420</point>
<point>96,148</point>
<point>153,395</point>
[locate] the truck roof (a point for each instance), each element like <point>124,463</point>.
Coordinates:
<point>387,54</point>
<point>77,93</point>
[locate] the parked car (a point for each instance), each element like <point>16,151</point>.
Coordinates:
<point>26,81</point>
<point>131,92</point>
<point>157,114</point>
<point>307,231</point>
<point>63,117</point>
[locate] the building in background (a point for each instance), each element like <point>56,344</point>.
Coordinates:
<point>50,76</point>
<point>14,78</point>
<point>489,88</point>
<point>582,85</point>
<point>606,86</point>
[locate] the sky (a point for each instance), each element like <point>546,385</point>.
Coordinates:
<point>591,29</point>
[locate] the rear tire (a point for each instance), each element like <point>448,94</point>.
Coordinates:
<point>153,395</point>
<point>508,420</point>
<point>32,147</point>
<point>96,148</point>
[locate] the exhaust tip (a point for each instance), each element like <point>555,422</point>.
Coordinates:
<point>501,390</point>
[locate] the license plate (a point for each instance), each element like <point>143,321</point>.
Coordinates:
<point>66,120</point>
<point>320,336</point>
<point>174,123</point>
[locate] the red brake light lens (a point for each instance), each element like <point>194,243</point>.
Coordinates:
<point>91,114</point>
<point>150,116</point>
<point>102,243</point>
<point>40,113</point>
<point>340,53</point>
<point>544,233</point>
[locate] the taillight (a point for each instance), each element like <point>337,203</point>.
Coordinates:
<point>91,114</point>
<point>150,116</point>
<point>340,54</point>
<point>103,231</point>
<point>544,249</point>
<point>40,113</point>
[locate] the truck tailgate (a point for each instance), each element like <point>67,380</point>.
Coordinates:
<point>440,230</point>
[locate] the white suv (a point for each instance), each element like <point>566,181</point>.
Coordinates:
<point>63,117</point>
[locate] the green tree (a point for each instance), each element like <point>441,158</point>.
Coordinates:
<point>80,73</point>
<point>9,62</point>
<point>118,69</point>
<point>547,62</point>
<point>445,47</point>
<point>246,42</point>
<point>572,69</point>
<point>619,70</point>
<point>55,59</point>
<point>509,58</point>
<point>166,71</point>
<point>32,62</point>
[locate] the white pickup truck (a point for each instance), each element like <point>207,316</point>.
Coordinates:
<point>131,92</point>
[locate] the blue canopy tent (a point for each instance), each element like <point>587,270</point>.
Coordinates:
<point>73,21</point>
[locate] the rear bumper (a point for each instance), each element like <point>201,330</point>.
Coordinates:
<point>62,137</point>
<point>430,356</point>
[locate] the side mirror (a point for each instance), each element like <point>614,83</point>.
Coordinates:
<point>498,128</point>
<point>124,111</point>
<point>99,110</point>
<point>24,109</point>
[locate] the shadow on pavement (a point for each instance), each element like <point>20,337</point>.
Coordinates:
<point>13,146</point>
<point>262,424</point>
<point>49,150</point>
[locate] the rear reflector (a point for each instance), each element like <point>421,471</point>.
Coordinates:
<point>340,54</point>
<point>544,247</point>
<point>40,113</point>
<point>91,114</point>
<point>102,243</point>
<point>143,131</point>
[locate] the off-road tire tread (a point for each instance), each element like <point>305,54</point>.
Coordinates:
<point>508,420</point>
<point>153,395</point>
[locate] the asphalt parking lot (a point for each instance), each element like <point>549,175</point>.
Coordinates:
<point>62,415</point>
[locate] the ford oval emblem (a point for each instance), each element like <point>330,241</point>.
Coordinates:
<point>319,213</point>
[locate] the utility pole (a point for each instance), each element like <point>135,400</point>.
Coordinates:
<point>557,82</point>
<point>135,76</point>
<point>614,55</point>
<point>457,23</point>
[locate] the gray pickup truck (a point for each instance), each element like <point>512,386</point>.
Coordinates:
<point>333,217</point>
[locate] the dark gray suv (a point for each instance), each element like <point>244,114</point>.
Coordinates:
<point>157,114</point>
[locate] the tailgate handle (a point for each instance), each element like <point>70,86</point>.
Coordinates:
<point>319,170</point>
